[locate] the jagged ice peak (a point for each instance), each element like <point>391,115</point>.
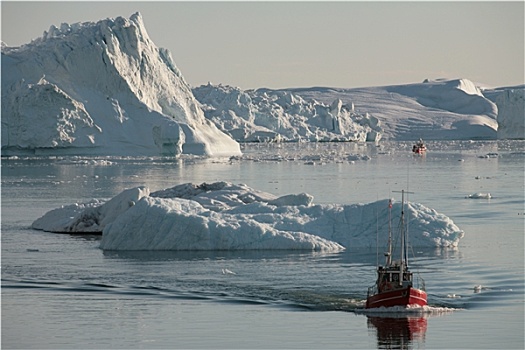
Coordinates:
<point>109,72</point>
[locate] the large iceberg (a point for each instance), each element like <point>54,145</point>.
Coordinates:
<point>441,109</point>
<point>106,89</point>
<point>224,216</point>
<point>101,89</point>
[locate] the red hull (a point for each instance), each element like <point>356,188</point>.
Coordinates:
<point>399,297</point>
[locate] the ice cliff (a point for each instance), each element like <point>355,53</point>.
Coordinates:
<point>511,111</point>
<point>101,89</point>
<point>224,216</point>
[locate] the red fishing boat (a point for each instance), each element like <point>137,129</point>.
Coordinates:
<point>395,284</point>
<point>419,147</point>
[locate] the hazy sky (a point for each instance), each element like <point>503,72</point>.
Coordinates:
<point>304,44</point>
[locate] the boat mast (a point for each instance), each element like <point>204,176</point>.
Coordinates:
<point>402,230</point>
<point>405,228</point>
<point>406,237</point>
<point>389,254</point>
<point>404,246</point>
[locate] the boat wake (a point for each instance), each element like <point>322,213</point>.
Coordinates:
<point>403,311</point>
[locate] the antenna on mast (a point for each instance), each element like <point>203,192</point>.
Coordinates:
<point>404,250</point>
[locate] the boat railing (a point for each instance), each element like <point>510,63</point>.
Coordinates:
<point>419,283</point>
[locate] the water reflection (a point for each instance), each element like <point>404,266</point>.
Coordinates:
<point>399,331</point>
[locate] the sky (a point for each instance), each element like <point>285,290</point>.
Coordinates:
<point>277,44</point>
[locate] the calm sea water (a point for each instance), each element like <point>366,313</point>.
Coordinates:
<point>62,291</point>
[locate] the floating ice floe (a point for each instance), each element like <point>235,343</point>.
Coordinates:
<point>224,216</point>
<point>490,155</point>
<point>479,195</point>
<point>74,161</point>
<point>453,296</point>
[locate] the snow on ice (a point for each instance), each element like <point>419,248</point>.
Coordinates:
<point>224,216</point>
<point>101,89</point>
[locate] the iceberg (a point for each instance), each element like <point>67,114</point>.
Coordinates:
<point>224,216</point>
<point>265,115</point>
<point>441,109</point>
<point>89,217</point>
<point>101,89</point>
<point>105,88</point>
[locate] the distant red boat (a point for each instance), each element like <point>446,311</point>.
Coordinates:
<point>419,147</point>
<point>395,284</point>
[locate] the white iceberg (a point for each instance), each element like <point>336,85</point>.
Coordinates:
<point>441,109</point>
<point>101,89</point>
<point>106,89</point>
<point>89,217</point>
<point>223,216</point>
<point>266,115</point>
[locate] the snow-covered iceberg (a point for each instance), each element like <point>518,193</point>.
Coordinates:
<point>101,89</point>
<point>223,216</point>
<point>266,115</point>
<point>442,109</point>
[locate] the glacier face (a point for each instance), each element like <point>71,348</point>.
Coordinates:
<point>101,88</point>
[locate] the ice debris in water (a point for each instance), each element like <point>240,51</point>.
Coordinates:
<point>453,296</point>
<point>479,195</point>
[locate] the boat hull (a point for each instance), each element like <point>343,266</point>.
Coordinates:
<point>399,297</point>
